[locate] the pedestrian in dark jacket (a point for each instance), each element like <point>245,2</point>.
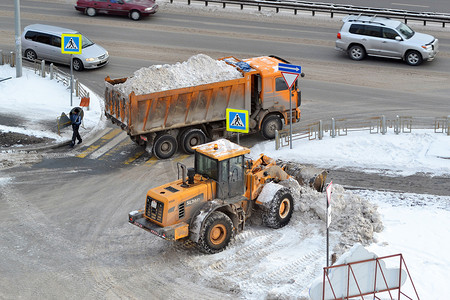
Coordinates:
<point>75,119</point>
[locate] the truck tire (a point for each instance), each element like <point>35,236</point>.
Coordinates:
<point>269,125</point>
<point>190,138</point>
<point>278,212</point>
<point>165,146</point>
<point>216,233</point>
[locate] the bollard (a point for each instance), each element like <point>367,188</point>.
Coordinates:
<point>43,68</point>
<point>383,124</point>
<point>333,128</point>
<point>320,129</point>
<point>51,71</point>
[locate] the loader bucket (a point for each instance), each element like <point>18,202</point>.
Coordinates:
<point>306,175</point>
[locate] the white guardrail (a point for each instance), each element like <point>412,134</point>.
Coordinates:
<point>333,9</point>
<point>374,125</point>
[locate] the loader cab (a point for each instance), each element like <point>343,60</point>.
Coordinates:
<point>223,162</point>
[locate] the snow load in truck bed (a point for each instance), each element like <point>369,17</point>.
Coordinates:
<point>197,70</point>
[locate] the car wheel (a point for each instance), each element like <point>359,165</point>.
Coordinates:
<point>90,11</point>
<point>413,58</point>
<point>270,125</point>
<point>135,15</point>
<point>356,52</point>
<point>77,65</point>
<point>30,54</point>
<point>165,146</point>
<point>190,138</point>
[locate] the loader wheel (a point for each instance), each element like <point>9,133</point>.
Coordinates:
<point>269,125</point>
<point>278,212</point>
<point>190,138</point>
<point>216,233</point>
<point>165,146</point>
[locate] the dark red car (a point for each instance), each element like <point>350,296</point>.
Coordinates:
<point>134,9</point>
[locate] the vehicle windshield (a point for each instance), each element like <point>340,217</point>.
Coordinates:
<point>405,30</point>
<point>86,42</point>
<point>206,166</point>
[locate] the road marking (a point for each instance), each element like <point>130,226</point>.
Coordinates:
<point>136,156</point>
<point>406,4</point>
<point>116,149</point>
<point>102,141</point>
<point>97,137</point>
<point>181,157</point>
<point>151,161</point>
<point>109,145</point>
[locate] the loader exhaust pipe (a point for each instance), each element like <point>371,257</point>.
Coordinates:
<point>183,174</point>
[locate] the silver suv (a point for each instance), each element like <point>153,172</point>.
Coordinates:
<point>379,36</point>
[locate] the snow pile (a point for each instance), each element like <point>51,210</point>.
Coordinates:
<point>352,215</point>
<point>199,69</point>
<point>264,263</point>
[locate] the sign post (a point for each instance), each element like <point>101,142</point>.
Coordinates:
<point>290,74</point>
<point>237,121</point>
<point>71,44</point>
<point>328,217</point>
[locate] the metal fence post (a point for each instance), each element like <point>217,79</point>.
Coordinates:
<point>320,129</point>
<point>12,59</point>
<point>43,68</point>
<point>397,125</point>
<point>1,58</point>
<point>277,140</point>
<point>448,125</point>
<point>333,128</point>
<point>383,124</point>
<point>51,71</point>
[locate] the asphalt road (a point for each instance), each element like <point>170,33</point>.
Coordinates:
<point>64,218</point>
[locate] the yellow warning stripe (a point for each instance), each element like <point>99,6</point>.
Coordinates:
<point>102,140</point>
<point>115,149</point>
<point>136,156</point>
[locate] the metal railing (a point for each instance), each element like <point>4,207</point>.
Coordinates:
<point>40,68</point>
<point>333,9</point>
<point>374,125</point>
<point>8,58</point>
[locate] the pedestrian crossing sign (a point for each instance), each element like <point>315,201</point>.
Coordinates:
<point>237,120</point>
<point>71,43</point>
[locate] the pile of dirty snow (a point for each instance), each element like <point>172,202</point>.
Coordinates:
<point>199,69</point>
<point>265,263</point>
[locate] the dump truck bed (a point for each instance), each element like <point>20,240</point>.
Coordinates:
<point>141,114</point>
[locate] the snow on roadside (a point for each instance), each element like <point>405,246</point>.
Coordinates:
<point>199,69</point>
<point>421,151</point>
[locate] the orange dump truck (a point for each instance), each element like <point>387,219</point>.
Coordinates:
<point>187,117</point>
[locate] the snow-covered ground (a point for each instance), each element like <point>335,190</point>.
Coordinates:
<point>418,226</point>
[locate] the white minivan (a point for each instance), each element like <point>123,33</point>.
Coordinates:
<point>44,42</point>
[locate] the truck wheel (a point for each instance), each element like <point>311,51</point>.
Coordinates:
<point>164,146</point>
<point>269,125</point>
<point>278,212</point>
<point>190,138</point>
<point>216,233</point>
